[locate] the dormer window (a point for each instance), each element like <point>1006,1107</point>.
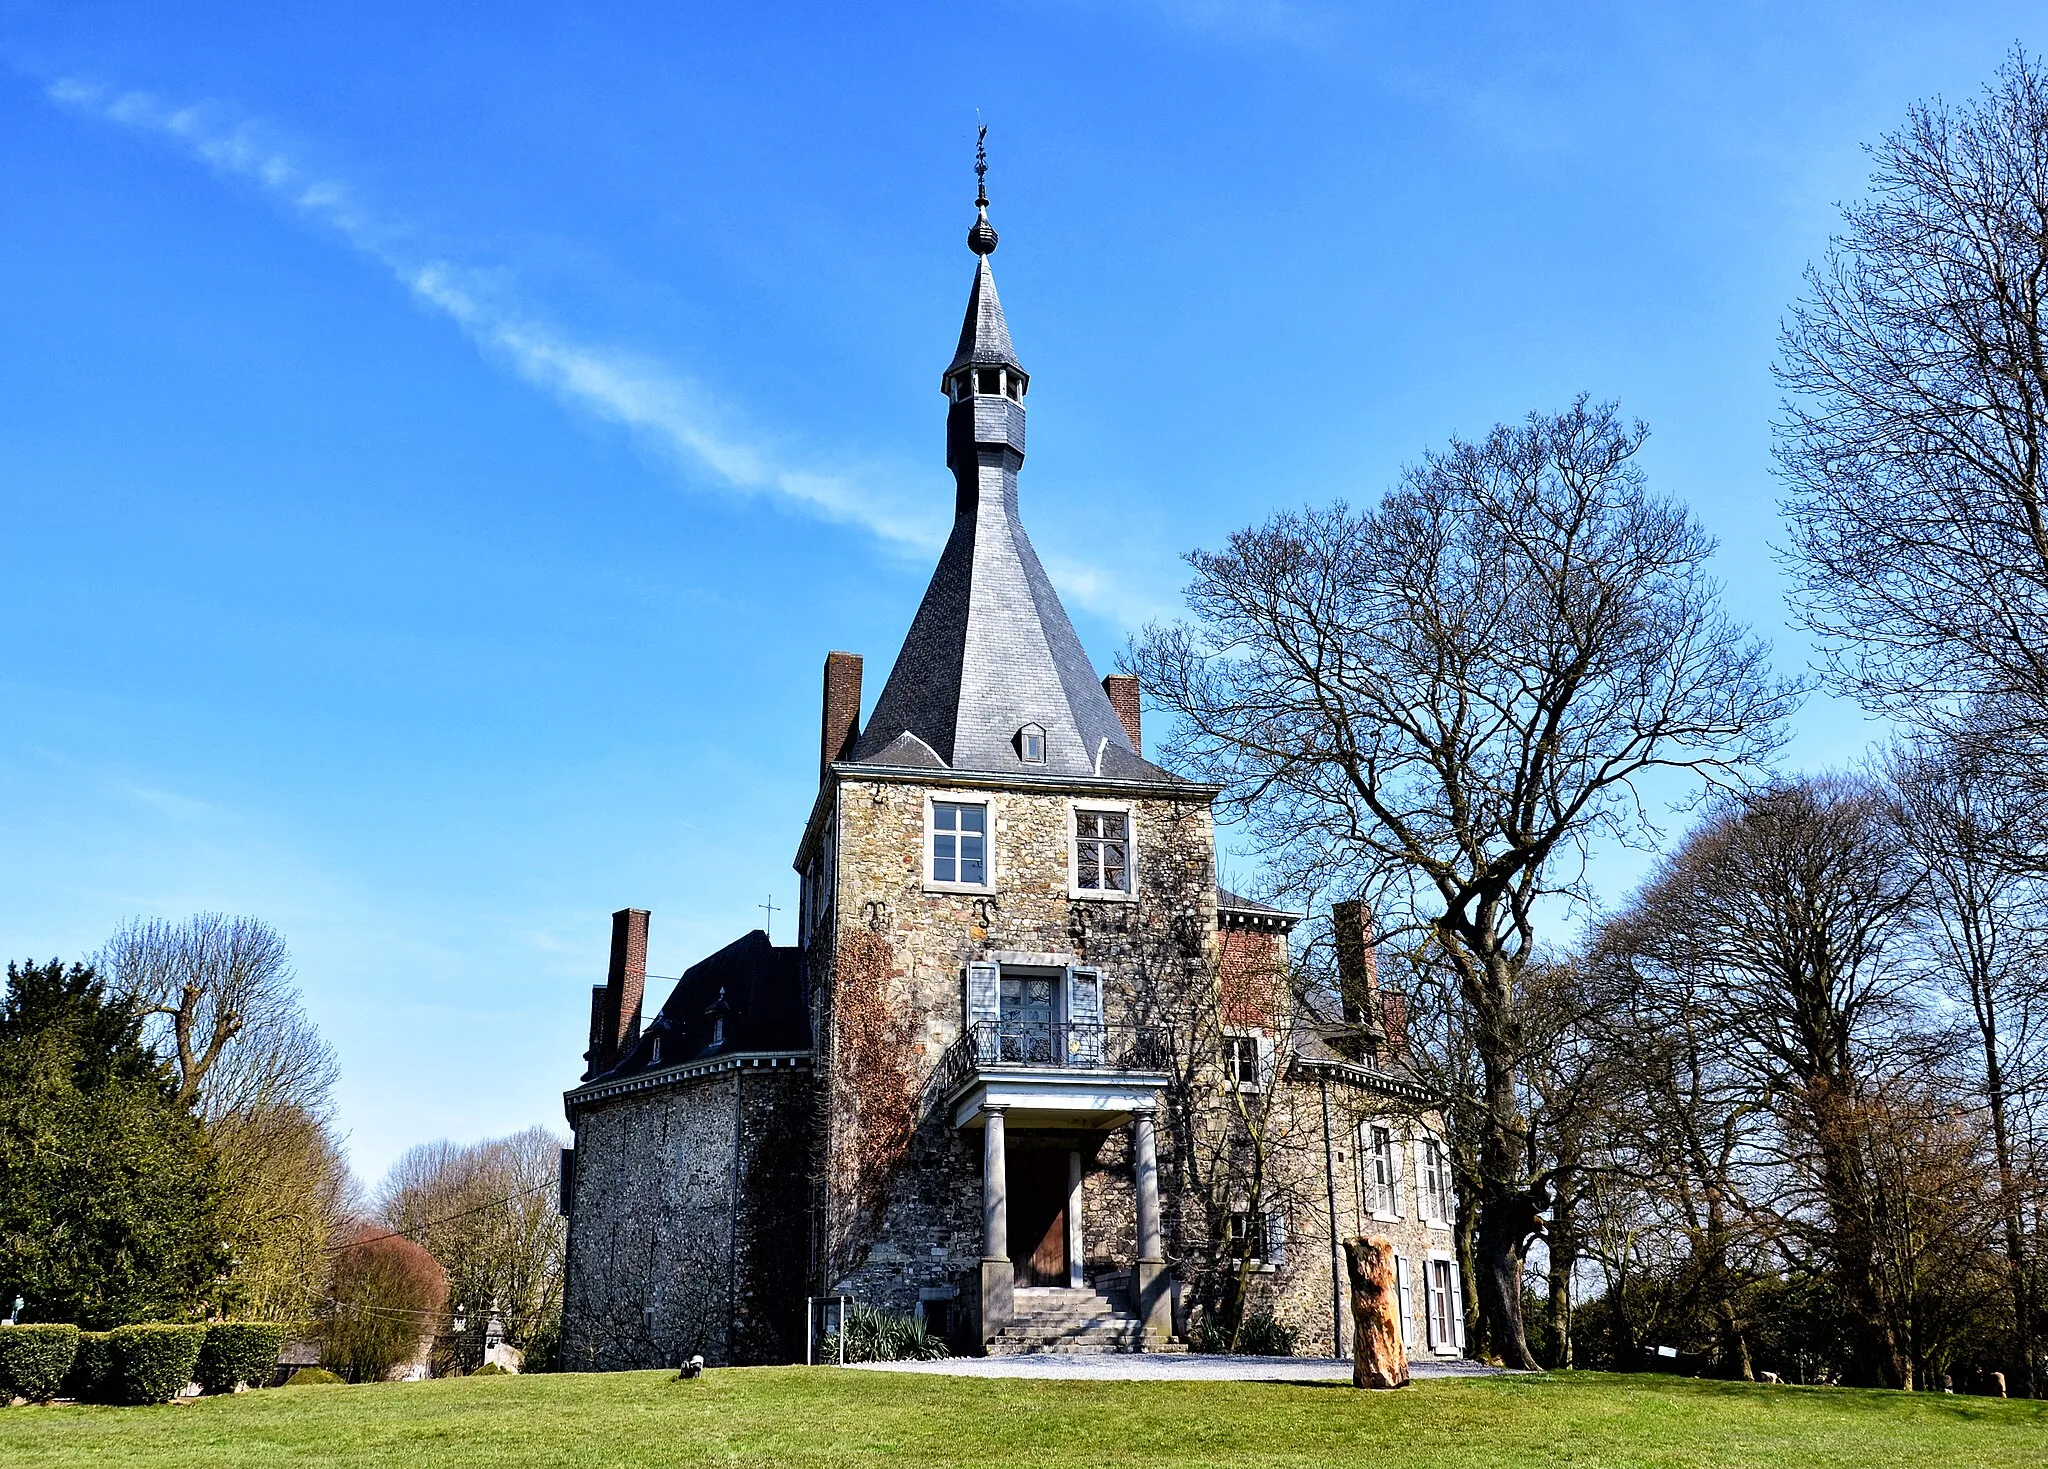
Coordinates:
<point>1031,744</point>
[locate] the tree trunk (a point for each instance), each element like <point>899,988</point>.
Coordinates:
<point>2009,1207</point>
<point>1564,1256</point>
<point>1377,1357</point>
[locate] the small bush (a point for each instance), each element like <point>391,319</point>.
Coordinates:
<point>91,1379</point>
<point>312,1377</point>
<point>236,1352</point>
<point>1262,1336</point>
<point>34,1360</point>
<point>490,1369</point>
<point>874,1335</point>
<point>152,1364</point>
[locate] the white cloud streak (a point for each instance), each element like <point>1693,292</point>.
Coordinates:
<point>650,399</point>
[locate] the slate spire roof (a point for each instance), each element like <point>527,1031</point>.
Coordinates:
<point>991,650</point>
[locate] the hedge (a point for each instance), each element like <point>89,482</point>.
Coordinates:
<point>237,1352</point>
<point>152,1364</point>
<point>34,1360</point>
<point>91,1379</point>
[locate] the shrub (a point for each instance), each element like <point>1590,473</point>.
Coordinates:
<point>91,1377</point>
<point>490,1369</point>
<point>874,1335</point>
<point>236,1352</point>
<point>311,1377</point>
<point>34,1360</point>
<point>1262,1336</point>
<point>152,1364</point>
<point>388,1295</point>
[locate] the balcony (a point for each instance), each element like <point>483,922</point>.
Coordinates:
<point>1052,1075</point>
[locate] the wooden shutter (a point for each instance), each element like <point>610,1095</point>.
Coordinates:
<point>984,993</point>
<point>1457,1307</point>
<point>1266,1052</point>
<point>1429,1304</point>
<point>1084,1015</point>
<point>1404,1299</point>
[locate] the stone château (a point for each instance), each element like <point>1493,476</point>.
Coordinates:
<point>1028,1072</point>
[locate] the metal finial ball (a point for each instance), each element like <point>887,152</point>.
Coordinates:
<point>982,238</point>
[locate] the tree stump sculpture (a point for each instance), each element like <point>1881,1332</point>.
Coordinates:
<point>1377,1356</point>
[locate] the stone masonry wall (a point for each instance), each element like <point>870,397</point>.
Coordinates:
<point>662,1265</point>
<point>924,1234</point>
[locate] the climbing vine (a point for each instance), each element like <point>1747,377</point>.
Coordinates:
<point>876,1094</point>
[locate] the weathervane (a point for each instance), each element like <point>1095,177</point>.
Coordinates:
<point>980,163</point>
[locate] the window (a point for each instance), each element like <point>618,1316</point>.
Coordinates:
<point>959,843</point>
<point>1243,1223</point>
<point>1241,1061</point>
<point>1102,851</point>
<point>1436,1183</point>
<point>1031,744</point>
<point>1380,1171</point>
<point>988,380</point>
<point>1445,1309</point>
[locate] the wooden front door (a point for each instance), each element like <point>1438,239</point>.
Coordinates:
<point>1038,1216</point>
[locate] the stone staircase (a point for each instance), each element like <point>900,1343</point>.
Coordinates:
<point>1067,1320</point>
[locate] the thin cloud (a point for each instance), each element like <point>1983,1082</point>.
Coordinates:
<point>643,395</point>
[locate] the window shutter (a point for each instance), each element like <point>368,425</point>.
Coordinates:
<point>1276,1240</point>
<point>1084,1015</point>
<point>1423,1202</point>
<point>984,993</point>
<point>1404,1299</point>
<point>1394,1171</point>
<point>1429,1304</point>
<point>1266,1077</point>
<point>1457,1307</point>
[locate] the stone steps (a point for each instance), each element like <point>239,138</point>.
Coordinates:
<point>1066,1320</point>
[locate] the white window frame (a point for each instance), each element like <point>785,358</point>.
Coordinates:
<point>1442,1267</point>
<point>1369,1159</point>
<point>1102,895</point>
<point>933,799</point>
<point>1261,1049</point>
<point>1025,734</point>
<point>1435,1206</point>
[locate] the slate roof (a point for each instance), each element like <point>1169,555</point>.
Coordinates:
<point>1228,903</point>
<point>984,335</point>
<point>991,649</point>
<point>756,987</point>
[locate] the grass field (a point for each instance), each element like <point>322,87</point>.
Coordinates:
<point>822,1416</point>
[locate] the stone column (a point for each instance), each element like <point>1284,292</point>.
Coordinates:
<point>1152,1289</point>
<point>998,1276</point>
<point>1076,1251</point>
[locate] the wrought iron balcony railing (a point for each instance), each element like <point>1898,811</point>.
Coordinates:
<point>1002,1043</point>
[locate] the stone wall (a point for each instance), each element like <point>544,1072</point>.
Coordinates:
<point>687,1230</point>
<point>917,1229</point>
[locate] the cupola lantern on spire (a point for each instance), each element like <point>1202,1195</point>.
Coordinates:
<point>985,365</point>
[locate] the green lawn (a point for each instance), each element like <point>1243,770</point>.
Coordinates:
<point>825,1416</point>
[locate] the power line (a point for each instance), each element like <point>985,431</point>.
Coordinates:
<point>444,1219</point>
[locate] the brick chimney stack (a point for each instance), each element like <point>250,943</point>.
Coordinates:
<point>615,1005</point>
<point>1122,689</point>
<point>1358,967</point>
<point>842,709</point>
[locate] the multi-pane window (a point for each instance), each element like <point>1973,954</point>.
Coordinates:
<point>1436,1182</point>
<point>1376,1163</point>
<point>959,843</point>
<point>1443,1334</point>
<point>1102,851</point>
<point>1241,1061</point>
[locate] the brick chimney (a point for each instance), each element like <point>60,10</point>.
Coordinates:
<point>1358,965</point>
<point>841,721</point>
<point>1122,689</point>
<point>615,1006</point>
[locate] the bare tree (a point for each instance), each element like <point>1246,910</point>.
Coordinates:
<point>1982,923</point>
<point>486,1211</point>
<point>1787,909</point>
<point>1915,441</point>
<point>1439,704</point>
<point>219,998</point>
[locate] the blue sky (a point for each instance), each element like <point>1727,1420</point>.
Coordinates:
<point>438,444</point>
